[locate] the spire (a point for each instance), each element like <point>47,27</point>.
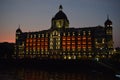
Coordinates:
<point>108,22</point>
<point>60,8</point>
<point>19,30</point>
<point>107,17</point>
<point>19,26</point>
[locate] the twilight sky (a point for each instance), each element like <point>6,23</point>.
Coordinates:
<point>35,15</point>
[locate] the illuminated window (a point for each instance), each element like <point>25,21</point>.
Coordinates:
<point>59,34</point>
<point>68,38</point>
<point>42,35</point>
<point>84,37</point>
<point>74,57</point>
<point>89,46</point>
<point>26,44</point>
<point>73,49</point>
<point>69,57</point>
<point>65,57</point>
<point>46,39</point>
<point>63,34</point>
<point>31,36</point>
<point>16,37</point>
<point>84,33</point>
<point>84,46</point>
<point>30,40</point>
<point>63,38</point>
<point>68,33</point>
<point>51,47</point>
<point>42,39</point>
<point>58,39</point>
<point>73,38</point>
<point>58,43</point>
<point>34,40</point>
<point>68,43</point>
<point>78,38</point>
<point>51,43</point>
<point>46,35</point>
<point>34,44</point>
<point>79,33</point>
<point>89,32</point>
<point>64,47</point>
<point>68,53</point>
<point>34,35</point>
<point>84,42</point>
<point>68,47</point>
<point>95,40</point>
<point>103,40</point>
<point>73,33</point>
<point>39,35</point>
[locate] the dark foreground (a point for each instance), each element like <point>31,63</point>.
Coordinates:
<point>55,70</point>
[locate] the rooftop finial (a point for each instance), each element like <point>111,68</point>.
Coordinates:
<point>19,26</point>
<point>107,16</point>
<point>60,7</point>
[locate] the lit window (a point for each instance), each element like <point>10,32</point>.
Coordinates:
<point>46,35</point>
<point>65,57</point>
<point>89,46</point>
<point>96,41</point>
<point>84,42</point>
<point>79,42</point>
<point>68,43</point>
<point>26,44</point>
<point>89,33</point>
<point>64,38</point>
<point>39,35</point>
<point>103,40</point>
<point>63,34</point>
<point>16,37</point>
<point>59,34</point>
<point>34,35</point>
<point>79,33</point>
<point>73,38</point>
<point>78,38</point>
<point>31,36</point>
<point>84,33</point>
<point>68,38</point>
<point>68,33</point>
<point>69,57</point>
<point>42,35</point>
<point>73,33</point>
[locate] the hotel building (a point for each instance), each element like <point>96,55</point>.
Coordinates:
<point>64,42</point>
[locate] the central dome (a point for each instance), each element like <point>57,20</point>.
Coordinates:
<point>60,19</point>
<point>60,14</point>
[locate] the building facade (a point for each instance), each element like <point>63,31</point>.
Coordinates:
<point>63,42</point>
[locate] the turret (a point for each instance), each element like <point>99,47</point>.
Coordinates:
<point>108,32</point>
<point>18,32</point>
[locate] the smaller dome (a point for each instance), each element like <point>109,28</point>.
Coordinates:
<point>19,30</point>
<point>60,15</point>
<point>108,22</point>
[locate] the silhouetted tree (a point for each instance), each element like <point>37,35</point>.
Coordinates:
<point>6,50</point>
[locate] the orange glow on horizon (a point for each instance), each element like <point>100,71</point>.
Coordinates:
<point>7,40</point>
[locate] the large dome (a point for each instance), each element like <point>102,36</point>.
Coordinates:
<point>60,14</point>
